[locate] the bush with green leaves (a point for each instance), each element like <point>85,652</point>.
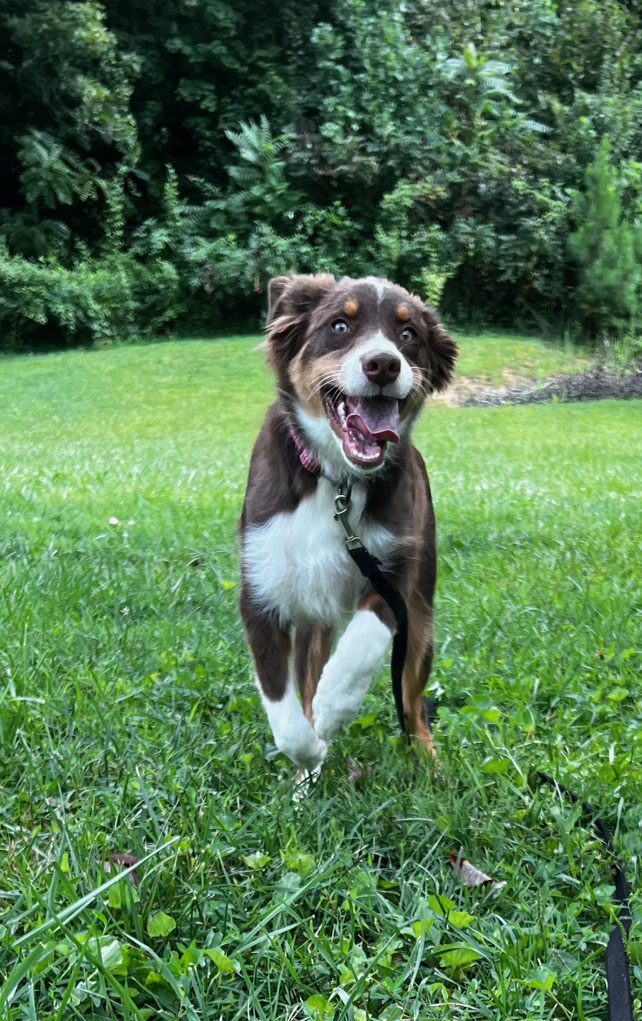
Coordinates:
<point>45,305</point>
<point>66,121</point>
<point>444,144</point>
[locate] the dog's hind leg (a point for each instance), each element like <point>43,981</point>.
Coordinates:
<point>417,670</point>
<point>272,654</point>
<point>312,644</point>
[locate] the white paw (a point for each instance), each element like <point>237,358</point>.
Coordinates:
<point>303,747</point>
<point>331,714</point>
<point>293,733</point>
<point>304,782</point>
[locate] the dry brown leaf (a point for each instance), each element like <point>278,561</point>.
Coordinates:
<point>126,860</point>
<point>355,772</point>
<point>472,876</point>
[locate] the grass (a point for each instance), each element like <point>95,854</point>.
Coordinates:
<point>499,359</point>
<point>129,722</point>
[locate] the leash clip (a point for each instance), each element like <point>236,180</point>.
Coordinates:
<point>342,507</point>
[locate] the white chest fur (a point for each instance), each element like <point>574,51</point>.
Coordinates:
<point>297,565</point>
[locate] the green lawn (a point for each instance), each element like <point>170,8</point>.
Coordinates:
<point>129,721</point>
<point>498,359</point>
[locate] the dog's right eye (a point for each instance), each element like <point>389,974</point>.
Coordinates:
<point>340,326</point>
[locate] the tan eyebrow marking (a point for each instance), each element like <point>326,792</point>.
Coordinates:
<point>351,307</point>
<point>403,313</point>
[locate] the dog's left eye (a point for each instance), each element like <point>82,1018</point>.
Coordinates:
<point>340,326</point>
<point>407,334</point>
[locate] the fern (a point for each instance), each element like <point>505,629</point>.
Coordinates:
<point>53,175</point>
<point>255,142</point>
<point>537,126</point>
<point>260,178</point>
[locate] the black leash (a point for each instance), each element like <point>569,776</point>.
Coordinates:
<point>618,980</point>
<point>370,568</point>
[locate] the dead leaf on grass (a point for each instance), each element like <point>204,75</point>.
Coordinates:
<point>472,876</point>
<point>126,860</point>
<point>355,772</point>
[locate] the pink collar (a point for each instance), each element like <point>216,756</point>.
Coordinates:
<point>306,457</point>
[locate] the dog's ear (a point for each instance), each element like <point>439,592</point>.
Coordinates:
<point>442,351</point>
<point>276,287</point>
<point>291,301</point>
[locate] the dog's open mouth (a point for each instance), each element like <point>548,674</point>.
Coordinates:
<point>364,425</point>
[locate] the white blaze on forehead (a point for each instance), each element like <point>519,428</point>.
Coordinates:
<point>380,286</point>
<point>354,380</point>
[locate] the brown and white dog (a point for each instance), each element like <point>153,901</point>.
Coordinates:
<point>354,361</point>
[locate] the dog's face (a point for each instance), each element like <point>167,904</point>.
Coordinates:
<point>355,360</point>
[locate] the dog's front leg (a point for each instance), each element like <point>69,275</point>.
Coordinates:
<point>349,671</point>
<point>272,654</point>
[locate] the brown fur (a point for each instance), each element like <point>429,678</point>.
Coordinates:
<point>306,378</point>
<point>312,644</point>
<point>271,647</point>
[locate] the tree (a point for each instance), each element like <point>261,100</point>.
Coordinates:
<point>65,121</point>
<point>444,142</point>
<point>604,246</point>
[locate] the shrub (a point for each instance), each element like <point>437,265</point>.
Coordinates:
<point>604,246</point>
<point>46,305</point>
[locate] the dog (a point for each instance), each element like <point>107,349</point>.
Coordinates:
<point>354,361</point>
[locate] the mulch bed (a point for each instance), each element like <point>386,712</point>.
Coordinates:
<point>589,386</point>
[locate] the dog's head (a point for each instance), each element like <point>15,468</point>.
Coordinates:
<point>355,360</point>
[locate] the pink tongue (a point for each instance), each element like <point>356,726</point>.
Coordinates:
<point>377,418</point>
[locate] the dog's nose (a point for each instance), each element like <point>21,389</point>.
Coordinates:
<point>382,368</point>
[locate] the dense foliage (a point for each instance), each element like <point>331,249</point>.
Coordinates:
<point>159,162</point>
